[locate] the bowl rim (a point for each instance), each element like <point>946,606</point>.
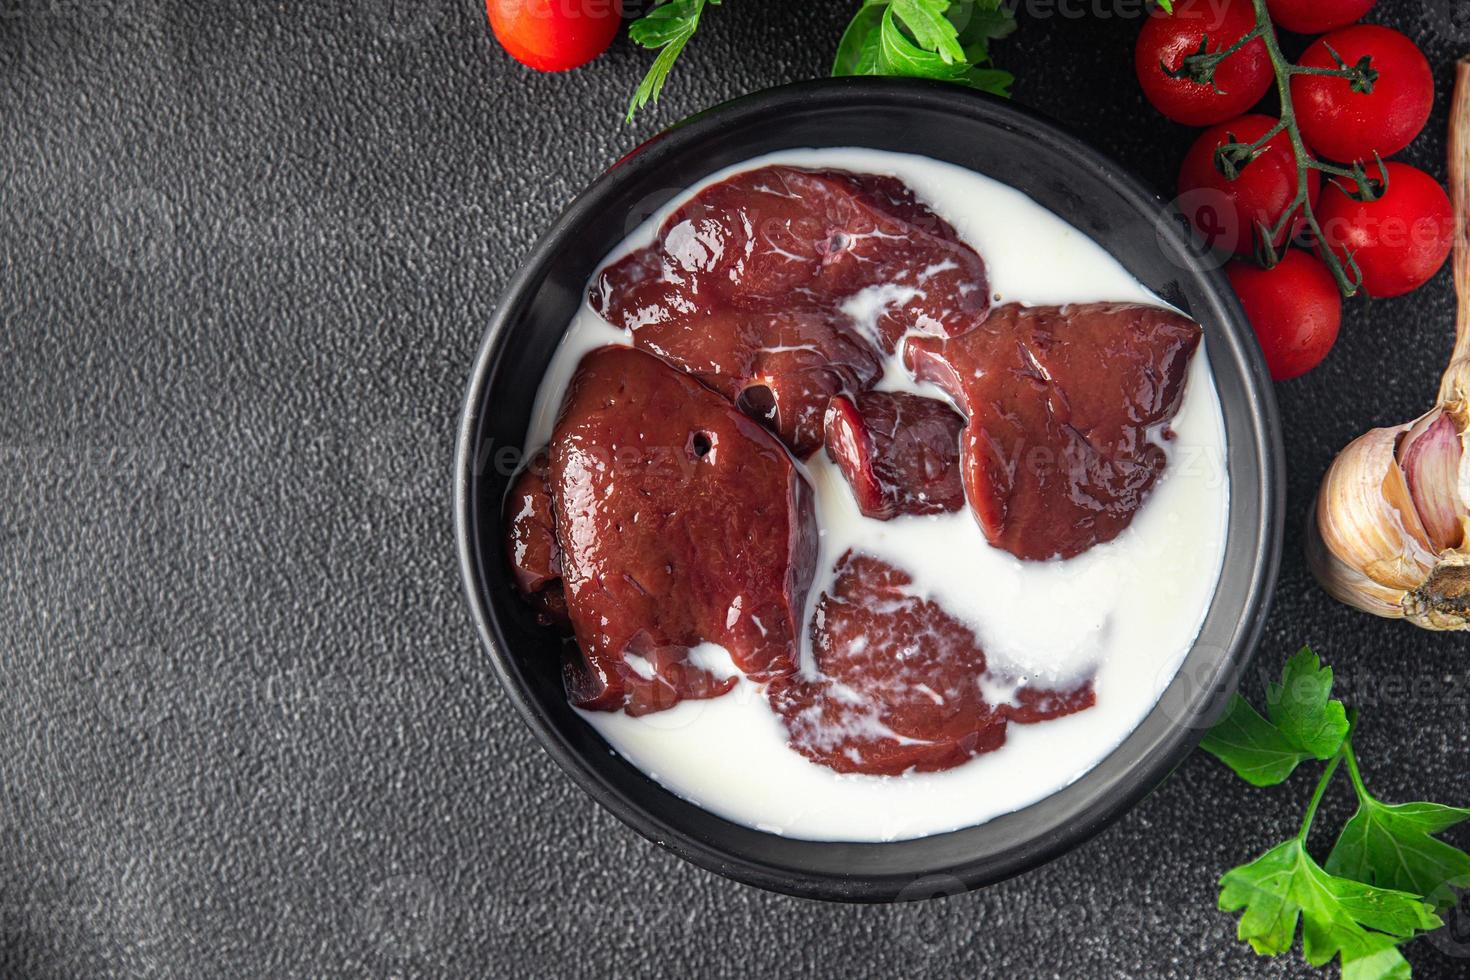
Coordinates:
<point>1134,783</point>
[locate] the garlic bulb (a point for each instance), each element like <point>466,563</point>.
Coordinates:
<point>1390,530</point>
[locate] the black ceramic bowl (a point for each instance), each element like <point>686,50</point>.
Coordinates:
<point>1062,174</point>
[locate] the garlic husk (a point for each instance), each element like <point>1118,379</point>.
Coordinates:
<point>1389,530</point>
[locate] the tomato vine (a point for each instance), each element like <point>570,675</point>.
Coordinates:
<point>1230,157</point>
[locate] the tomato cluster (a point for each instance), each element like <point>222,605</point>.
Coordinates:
<point>1249,203</point>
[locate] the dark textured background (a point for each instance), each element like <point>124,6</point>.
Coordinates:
<point>246,728</point>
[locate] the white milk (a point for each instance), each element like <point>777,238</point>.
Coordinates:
<point>1124,612</point>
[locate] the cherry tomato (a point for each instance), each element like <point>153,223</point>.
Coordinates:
<point>1240,80</point>
<point>1294,308</point>
<point>1347,125</point>
<point>1399,240</point>
<point>554,35</point>
<point>1317,16</point>
<point>1226,212</point>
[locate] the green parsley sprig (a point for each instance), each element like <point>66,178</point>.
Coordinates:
<point>927,39</point>
<point>947,40</point>
<point>665,29</point>
<point>1386,878</point>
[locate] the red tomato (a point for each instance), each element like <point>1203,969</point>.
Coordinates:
<point>1294,308</point>
<point>1317,16</point>
<point>1226,212</point>
<point>1240,80</point>
<point>1400,240</point>
<point>1342,124</point>
<point>554,35</point>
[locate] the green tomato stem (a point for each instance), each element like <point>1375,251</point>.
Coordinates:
<point>1201,67</point>
<point>1245,39</point>
<point>1346,284</point>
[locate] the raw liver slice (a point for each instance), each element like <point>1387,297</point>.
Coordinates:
<point>1058,454</point>
<point>899,685</point>
<point>744,286</point>
<point>780,368</point>
<point>530,544</point>
<point>899,452</point>
<point>680,521</point>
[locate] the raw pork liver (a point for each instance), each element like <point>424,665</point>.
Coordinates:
<point>899,452</point>
<point>744,286</point>
<point>900,682</point>
<point>1063,407</point>
<point>680,521</point>
<point>531,547</point>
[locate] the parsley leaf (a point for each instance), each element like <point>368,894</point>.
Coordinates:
<point>897,55</point>
<point>666,28</point>
<point>1301,706</point>
<point>978,24</point>
<point>1305,723</point>
<point>857,52</point>
<point>1360,923</point>
<point>932,31</point>
<point>939,39</point>
<point>991,80</point>
<point>1392,846</point>
<point>947,40</point>
<point>1252,746</point>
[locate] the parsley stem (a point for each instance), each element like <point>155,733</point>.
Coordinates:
<point>1353,773</point>
<point>1345,750</point>
<point>1317,795</point>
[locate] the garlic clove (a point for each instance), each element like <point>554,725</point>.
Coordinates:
<point>1345,583</point>
<point>1367,518</point>
<point>1430,456</point>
